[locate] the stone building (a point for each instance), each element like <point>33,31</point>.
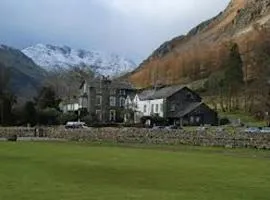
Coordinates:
<point>177,104</point>
<point>104,99</point>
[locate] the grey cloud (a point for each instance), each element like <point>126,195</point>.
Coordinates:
<point>127,27</point>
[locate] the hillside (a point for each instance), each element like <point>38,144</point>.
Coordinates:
<point>204,50</point>
<point>52,58</point>
<point>25,77</point>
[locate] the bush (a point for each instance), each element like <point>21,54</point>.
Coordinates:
<point>224,121</point>
<point>12,138</point>
<point>48,116</point>
<point>67,117</point>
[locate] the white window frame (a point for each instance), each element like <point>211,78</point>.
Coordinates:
<point>112,101</point>
<point>122,102</point>
<point>114,115</point>
<point>156,108</point>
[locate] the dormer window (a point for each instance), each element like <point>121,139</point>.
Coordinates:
<point>122,92</point>
<point>113,92</point>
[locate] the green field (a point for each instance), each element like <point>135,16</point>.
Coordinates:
<point>70,171</point>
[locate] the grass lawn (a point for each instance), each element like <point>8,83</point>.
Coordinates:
<point>70,171</point>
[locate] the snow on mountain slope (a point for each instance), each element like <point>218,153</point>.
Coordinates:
<point>55,57</point>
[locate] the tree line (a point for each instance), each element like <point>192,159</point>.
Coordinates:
<point>41,110</point>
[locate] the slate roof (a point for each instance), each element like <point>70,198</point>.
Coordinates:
<point>188,109</point>
<point>132,96</point>
<point>115,84</point>
<point>160,93</point>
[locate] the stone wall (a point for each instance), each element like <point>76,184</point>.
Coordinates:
<point>147,136</point>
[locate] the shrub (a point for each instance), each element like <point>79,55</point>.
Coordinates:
<point>66,117</point>
<point>12,138</point>
<point>224,121</point>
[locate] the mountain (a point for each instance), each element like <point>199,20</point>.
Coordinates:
<point>25,77</point>
<point>203,51</point>
<point>54,57</point>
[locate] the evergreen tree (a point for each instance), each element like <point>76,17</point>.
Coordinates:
<point>234,68</point>
<point>47,99</point>
<point>30,113</point>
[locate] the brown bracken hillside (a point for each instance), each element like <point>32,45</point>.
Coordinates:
<point>203,50</point>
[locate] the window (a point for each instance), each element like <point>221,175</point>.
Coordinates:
<point>152,108</point>
<point>156,108</point>
<point>191,119</point>
<point>122,102</point>
<point>145,108</point>
<point>99,115</point>
<point>112,115</point>
<point>161,107</point>
<point>98,100</point>
<point>112,101</point>
<point>122,92</point>
<point>113,92</point>
<point>198,119</point>
<point>173,108</point>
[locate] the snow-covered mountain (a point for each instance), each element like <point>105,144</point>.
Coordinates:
<point>52,57</point>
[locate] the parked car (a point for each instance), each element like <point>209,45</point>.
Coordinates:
<point>252,130</point>
<point>220,129</point>
<point>172,127</point>
<point>158,127</point>
<point>202,128</point>
<point>75,125</point>
<point>265,130</point>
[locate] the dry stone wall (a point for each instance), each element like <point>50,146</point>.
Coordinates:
<point>146,136</point>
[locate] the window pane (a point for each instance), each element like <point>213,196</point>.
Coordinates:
<point>156,108</point>
<point>112,101</point>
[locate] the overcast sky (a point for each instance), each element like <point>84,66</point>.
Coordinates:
<point>133,28</point>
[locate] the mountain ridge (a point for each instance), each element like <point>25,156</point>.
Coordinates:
<point>52,57</point>
<point>173,63</point>
<point>25,77</point>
